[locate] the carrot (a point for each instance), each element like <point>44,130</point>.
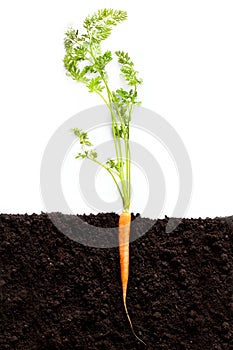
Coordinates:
<point>123,238</point>
<point>120,166</point>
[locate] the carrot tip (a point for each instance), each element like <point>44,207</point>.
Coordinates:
<point>131,325</point>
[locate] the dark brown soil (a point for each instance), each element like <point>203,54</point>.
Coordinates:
<point>59,294</point>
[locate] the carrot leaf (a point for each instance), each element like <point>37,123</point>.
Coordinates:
<point>86,63</point>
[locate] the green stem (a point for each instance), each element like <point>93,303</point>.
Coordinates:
<point>113,177</point>
<point>124,191</point>
<point>129,170</point>
<point>103,98</point>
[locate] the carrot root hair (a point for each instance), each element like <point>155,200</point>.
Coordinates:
<point>131,325</point>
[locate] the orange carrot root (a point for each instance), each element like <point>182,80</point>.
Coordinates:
<point>123,237</point>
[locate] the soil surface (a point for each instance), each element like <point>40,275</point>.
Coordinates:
<point>59,294</point>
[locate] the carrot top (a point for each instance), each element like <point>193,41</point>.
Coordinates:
<point>85,62</point>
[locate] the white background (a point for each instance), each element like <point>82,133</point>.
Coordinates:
<point>184,52</point>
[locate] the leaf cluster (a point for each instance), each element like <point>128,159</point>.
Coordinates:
<point>86,47</point>
<point>85,62</point>
<point>127,69</point>
<point>83,137</point>
<point>114,164</point>
<point>99,25</point>
<point>90,154</point>
<point>84,142</point>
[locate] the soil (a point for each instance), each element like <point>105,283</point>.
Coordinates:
<point>59,294</point>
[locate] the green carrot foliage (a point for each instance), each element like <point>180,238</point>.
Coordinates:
<point>85,62</point>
